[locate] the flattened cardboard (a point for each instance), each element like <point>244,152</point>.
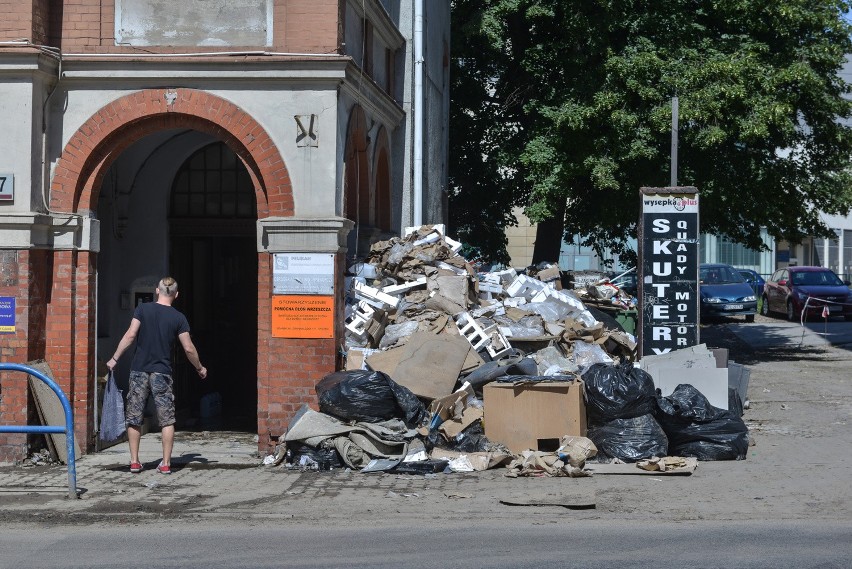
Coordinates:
<point>479,460</point>
<point>473,361</point>
<point>428,364</point>
<point>632,469</point>
<point>386,361</point>
<point>533,415</point>
<point>454,413</point>
<point>451,429</point>
<point>354,359</point>
<point>452,406</point>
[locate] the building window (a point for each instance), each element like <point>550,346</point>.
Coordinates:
<point>368,48</point>
<point>213,182</point>
<point>390,66</point>
<point>847,253</point>
<point>834,253</point>
<point>819,248</point>
<point>737,254</point>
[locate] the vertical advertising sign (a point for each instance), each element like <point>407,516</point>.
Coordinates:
<point>668,259</point>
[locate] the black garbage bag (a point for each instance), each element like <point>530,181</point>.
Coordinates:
<point>695,428</point>
<point>369,396</point>
<point>618,392</point>
<point>325,458</point>
<point>735,402</point>
<point>422,467</point>
<point>631,439</point>
<point>471,439</point>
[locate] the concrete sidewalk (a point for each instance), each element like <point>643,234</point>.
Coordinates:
<point>214,463</point>
<point>219,476</point>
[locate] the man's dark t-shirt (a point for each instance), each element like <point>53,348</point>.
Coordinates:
<point>160,326</point>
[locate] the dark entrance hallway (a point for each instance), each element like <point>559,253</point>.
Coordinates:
<point>214,259</point>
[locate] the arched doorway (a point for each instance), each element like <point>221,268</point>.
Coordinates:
<point>212,214</point>
<point>82,280</point>
<point>180,202</point>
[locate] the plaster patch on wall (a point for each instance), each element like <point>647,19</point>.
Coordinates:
<point>193,23</point>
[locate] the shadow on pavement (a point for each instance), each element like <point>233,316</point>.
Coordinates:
<point>774,346</point>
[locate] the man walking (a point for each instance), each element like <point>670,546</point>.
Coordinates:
<point>154,327</point>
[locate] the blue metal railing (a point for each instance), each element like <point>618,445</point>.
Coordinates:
<point>68,429</point>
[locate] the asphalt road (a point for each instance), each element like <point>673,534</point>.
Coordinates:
<point>564,543</point>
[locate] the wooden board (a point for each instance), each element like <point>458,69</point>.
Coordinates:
<point>50,410</point>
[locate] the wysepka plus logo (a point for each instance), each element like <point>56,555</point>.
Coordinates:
<point>687,204</point>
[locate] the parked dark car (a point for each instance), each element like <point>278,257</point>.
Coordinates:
<point>789,290</point>
<point>724,292</point>
<point>754,280</point>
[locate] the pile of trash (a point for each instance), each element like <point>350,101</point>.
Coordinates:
<point>419,284</point>
<point>41,458</point>
<point>428,338</point>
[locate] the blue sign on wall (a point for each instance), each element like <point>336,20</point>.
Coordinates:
<point>7,315</point>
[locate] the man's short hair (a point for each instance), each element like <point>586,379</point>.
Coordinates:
<point>167,286</point>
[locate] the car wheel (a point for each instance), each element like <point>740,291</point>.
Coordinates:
<point>749,318</point>
<point>791,312</point>
<point>764,306</point>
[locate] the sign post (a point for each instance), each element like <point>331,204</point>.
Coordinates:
<point>668,259</point>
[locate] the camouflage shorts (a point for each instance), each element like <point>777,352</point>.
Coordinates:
<point>160,386</point>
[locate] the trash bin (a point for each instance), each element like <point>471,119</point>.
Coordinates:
<point>627,319</point>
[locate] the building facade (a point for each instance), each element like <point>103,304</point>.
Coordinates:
<point>204,140</point>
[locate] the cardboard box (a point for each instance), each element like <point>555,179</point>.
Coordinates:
<point>533,415</point>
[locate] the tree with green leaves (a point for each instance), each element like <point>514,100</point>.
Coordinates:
<point>564,107</point>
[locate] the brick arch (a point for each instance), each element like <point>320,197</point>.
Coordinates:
<point>111,130</point>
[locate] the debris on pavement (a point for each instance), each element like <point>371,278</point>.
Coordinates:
<point>578,500</point>
<point>449,368</point>
<point>690,464</point>
<point>665,463</point>
<point>41,458</point>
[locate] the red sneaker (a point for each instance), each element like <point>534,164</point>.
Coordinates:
<point>135,467</point>
<point>164,469</point>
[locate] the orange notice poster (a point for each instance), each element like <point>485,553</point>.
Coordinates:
<point>302,316</point>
